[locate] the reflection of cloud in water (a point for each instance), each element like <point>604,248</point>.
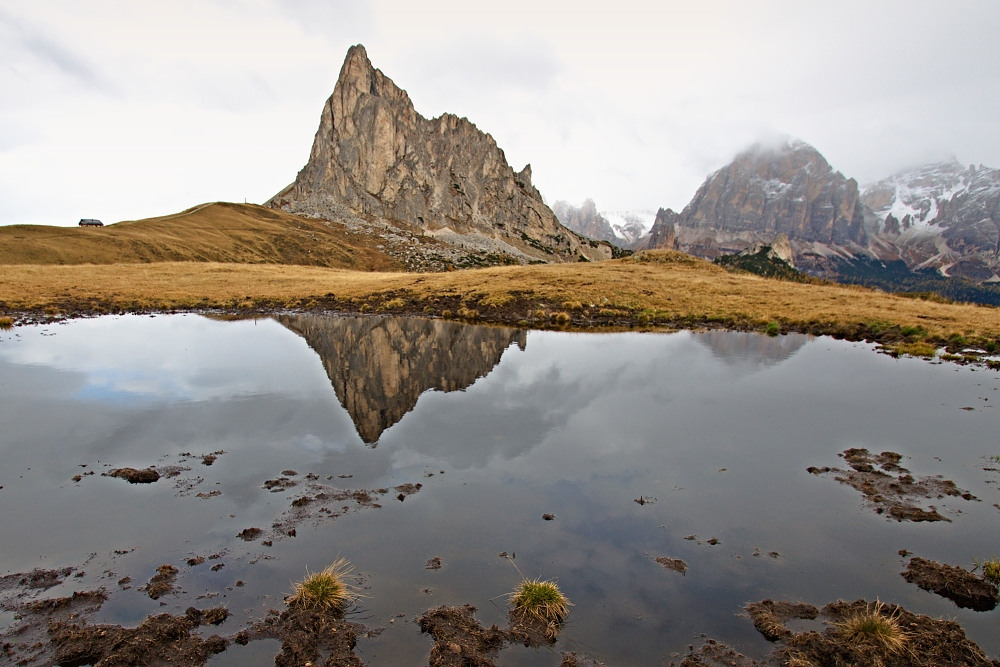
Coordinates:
<point>379,366</point>
<point>748,353</point>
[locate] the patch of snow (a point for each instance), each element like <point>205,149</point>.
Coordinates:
<point>629,225</point>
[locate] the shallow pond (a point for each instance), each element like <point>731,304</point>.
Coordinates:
<point>712,431</point>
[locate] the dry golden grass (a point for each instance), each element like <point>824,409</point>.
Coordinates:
<point>661,285</point>
<point>217,232</point>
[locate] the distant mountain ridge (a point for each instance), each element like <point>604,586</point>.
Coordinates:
<point>625,229</point>
<point>943,216</point>
<point>375,160</point>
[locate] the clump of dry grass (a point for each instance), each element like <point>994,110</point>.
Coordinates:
<point>6,323</point>
<point>917,349</point>
<point>325,590</point>
<point>872,629</point>
<point>541,600</point>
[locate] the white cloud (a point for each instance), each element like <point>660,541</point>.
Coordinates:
<point>120,110</point>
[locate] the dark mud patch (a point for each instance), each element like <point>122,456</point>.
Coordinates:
<point>717,654</point>
<point>250,534</point>
<point>279,484</point>
<point>37,579</point>
<point>162,582</point>
<point>949,581</point>
<point>889,488</point>
<point>928,641</point>
<point>27,642</point>
<point>575,659</point>
<point>459,639</point>
<point>158,641</point>
<point>307,635</point>
<point>673,564</point>
<point>531,631</point>
<point>433,563</point>
<point>320,502</point>
<point>769,617</point>
<point>134,476</point>
<point>407,489</point>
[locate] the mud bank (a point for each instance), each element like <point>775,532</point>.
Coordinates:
<point>889,489</point>
<point>963,588</point>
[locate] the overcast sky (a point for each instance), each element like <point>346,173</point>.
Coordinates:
<point>118,109</point>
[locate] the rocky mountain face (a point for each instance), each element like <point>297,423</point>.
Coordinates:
<point>584,220</point>
<point>379,366</point>
<point>944,216</point>
<point>767,191</point>
<point>376,159</point>
<point>626,229</point>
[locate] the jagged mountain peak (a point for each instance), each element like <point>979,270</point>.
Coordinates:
<point>378,162</point>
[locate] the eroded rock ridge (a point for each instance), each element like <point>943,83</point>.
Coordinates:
<point>375,158</point>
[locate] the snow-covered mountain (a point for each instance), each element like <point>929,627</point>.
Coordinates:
<point>629,226</point>
<point>942,215</point>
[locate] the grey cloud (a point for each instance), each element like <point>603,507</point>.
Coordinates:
<point>52,54</point>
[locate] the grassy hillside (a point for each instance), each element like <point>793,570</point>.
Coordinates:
<point>218,232</point>
<point>649,289</point>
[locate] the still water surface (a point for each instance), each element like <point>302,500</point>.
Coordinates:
<point>715,430</point>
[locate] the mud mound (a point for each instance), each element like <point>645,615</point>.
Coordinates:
<point>159,640</point>
<point>889,488</point>
<point>162,582</point>
<point>961,587</point>
<point>459,639</point>
<point>715,654</point>
<point>769,617</point>
<point>30,645</point>
<point>675,564</point>
<point>306,636</point>
<point>133,476</point>
<point>36,579</point>
<point>928,642</point>
<point>575,659</point>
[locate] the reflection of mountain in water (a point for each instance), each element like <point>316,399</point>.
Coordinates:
<point>379,366</point>
<point>751,351</point>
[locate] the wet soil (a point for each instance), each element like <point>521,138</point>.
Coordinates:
<point>307,635</point>
<point>159,640</point>
<point>769,617</point>
<point>162,582</point>
<point>27,643</point>
<point>133,476</point>
<point>889,488</point>
<point>36,579</point>
<point>575,659</point>
<point>675,564</point>
<point>929,642</point>
<point>459,639</point>
<point>717,654</point>
<point>961,587</point>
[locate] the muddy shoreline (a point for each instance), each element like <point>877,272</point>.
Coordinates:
<point>527,311</point>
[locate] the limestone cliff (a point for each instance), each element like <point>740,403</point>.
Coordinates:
<point>376,158</point>
<point>663,233</point>
<point>766,192</point>
<point>379,366</point>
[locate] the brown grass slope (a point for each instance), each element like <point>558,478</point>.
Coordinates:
<point>216,232</point>
<point>650,288</point>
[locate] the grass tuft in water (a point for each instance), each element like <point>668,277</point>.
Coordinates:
<point>6,323</point>
<point>325,590</point>
<point>991,570</point>
<point>540,599</point>
<point>873,629</point>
